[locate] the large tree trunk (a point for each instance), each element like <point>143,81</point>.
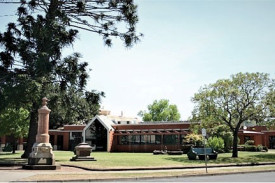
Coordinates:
<point>14,145</point>
<point>235,144</point>
<point>32,131</point>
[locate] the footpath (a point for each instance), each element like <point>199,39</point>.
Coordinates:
<point>70,173</point>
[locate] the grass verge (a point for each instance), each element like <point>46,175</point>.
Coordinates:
<point>143,160</point>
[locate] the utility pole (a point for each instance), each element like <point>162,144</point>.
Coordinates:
<point>204,139</point>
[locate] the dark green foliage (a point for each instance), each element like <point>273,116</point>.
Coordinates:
<point>32,65</point>
<point>252,148</point>
<point>260,148</point>
<point>7,148</point>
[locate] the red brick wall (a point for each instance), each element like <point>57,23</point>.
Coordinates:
<point>111,141</point>
<point>74,127</point>
<point>267,135</point>
<point>145,148</point>
<point>66,138</point>
<point>152,126</point>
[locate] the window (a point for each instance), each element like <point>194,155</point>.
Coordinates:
<point>155,139</point>
<point>170,139</point>
<point>145,139</point>
<point>135,139</point>
<point>139,139</point>
<point>247,138</point>
<point>75,135</point>
<point>122,140</point>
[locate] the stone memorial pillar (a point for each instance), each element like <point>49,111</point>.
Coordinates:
<point>42,156</point>
<point>3,143</point>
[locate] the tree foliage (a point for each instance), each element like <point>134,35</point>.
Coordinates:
<point>215,129</point>
<point>32,65</point>
<point>14,122</point>
<point>195,139</point>
<point>217,143</point>
<point>160,111</point>
<point>243,97</point>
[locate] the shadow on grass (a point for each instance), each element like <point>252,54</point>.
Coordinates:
<point>266,157</point>
<point>184,160</point>
<point>251,158</point>
<point>7,158</point>
<point>12,161</point>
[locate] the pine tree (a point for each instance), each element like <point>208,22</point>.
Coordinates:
<point>31,62</point>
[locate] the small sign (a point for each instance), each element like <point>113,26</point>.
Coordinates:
<point>203,132</point>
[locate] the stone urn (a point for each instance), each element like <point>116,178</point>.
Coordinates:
<point>83,152</point>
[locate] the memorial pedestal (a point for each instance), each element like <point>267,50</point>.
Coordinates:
<point>42,157</point>
<point>83,151</point>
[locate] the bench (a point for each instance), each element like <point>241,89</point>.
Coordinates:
<point>194,152</point>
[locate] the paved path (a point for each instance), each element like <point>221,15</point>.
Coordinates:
<point>13,174</point>
<point>8,174</point>
<point>17,173</point>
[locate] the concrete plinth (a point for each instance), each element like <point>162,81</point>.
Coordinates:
<point>83,158</point>
<point>41,167</point>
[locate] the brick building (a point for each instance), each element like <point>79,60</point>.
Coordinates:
<point>121,134</point>
<point>104,133</point>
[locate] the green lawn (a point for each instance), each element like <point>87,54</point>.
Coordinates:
<point>128,160</point>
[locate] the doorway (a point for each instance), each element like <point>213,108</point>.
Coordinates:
<point>96,136</point>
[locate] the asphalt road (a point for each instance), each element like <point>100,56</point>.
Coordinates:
<point>244,177</point>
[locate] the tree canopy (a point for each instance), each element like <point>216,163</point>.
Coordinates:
<point>160,111</point>
<point>243,97</point>
<point>14,122</point>
<point>32,65</point>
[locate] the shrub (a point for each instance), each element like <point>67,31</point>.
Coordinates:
<point>216,143</point>
<point>265,148</point>
<point>195,139</point>
<point>241,148</point>
<point>250,148</point>
<point>249,142</point>
<point>228,141</point>
<point>259,148</point>
<point>7,148</point>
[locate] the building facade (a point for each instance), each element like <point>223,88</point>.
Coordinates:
<point>121,134</point>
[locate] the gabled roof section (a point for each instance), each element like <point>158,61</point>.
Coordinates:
<point>107,123</point>
<point>249,132</point>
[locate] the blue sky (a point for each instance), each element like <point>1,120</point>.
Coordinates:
<point>186,45</point>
